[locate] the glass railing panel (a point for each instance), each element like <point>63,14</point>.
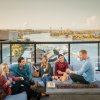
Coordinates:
<point>6,53</point>
<point>92,49</point>
<point>23,50</point>
<point>52,51</point>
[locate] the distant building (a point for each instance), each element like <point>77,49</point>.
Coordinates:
<point>97,33</point>
<point>13,35</point>
<point>4,35</point>
<point>8,35</point>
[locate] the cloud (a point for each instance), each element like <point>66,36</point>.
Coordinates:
<point>91,20</point>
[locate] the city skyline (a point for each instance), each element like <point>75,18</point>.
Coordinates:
<point>43,14</point>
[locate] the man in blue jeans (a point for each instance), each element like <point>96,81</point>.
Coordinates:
<point>86,73</point>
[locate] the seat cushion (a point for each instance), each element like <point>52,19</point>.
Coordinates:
<point>97,76</point>
<point>20,96</point>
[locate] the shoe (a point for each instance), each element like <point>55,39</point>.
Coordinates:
<point>38,96</point>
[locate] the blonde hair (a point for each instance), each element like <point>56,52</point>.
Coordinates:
<point>46,63</point>
<point>2,67</point>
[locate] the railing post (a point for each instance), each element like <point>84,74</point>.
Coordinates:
<point>10,53</point>
<point>34,52</point>
<point>69,53</point>
<point>0,52</point>
<point>98,56</point>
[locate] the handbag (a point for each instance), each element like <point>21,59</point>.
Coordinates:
<point>35,72</point>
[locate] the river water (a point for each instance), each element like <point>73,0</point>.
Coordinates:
<point>46,37</point>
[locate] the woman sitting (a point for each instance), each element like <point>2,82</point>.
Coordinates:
<point>46,70</point>
<point>60,69</point>
<point>14,85</point>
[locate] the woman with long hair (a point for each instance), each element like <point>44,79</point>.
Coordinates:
<point>46,70</point>
<point>60,69</point>
<point>14,85</point>
<point>11,84</point>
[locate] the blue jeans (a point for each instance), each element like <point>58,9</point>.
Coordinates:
<point>47,78</point>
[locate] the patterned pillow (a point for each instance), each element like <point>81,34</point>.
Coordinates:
<point>64,86</point>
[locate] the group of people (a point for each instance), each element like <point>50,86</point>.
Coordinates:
<point>84,75</point>
<point>19,78</point>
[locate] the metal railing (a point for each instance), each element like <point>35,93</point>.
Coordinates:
<point>69,43</point>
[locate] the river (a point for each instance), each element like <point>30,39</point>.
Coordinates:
<point>45,37</point>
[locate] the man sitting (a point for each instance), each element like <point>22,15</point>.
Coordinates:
<point>85,74</point>
<point>22,69</point>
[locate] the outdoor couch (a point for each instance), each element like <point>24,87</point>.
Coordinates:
<point>23,96</point>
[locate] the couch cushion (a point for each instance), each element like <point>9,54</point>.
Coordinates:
<point>20,96</point>
<point>97,76</point>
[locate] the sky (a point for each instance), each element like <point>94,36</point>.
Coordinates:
<point>45,14</point>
